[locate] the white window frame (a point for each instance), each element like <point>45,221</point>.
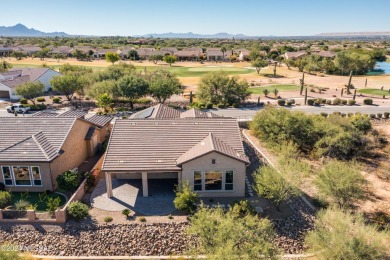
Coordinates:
<point>32,176</point>
<point>10,173</point>
<point>29,172</point>
<point>203,173</point>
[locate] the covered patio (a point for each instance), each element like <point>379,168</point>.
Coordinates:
<point>129,193</point>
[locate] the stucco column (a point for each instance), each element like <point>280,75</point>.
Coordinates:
<point>109,184</point>
<point>179,177</point>
<point>145,191</point>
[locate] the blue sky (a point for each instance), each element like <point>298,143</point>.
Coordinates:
<point>250,17</point>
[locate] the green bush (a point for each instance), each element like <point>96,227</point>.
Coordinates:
<point>317,102</point>
<point>386,115</point>
<point>337,101</point>
<point>108,219</point>
<point>5,199</point>
<point>22,204</point>
<point>56,100</point>
<point>221,105</point>
<point>68,181</point>
<point>144,101</point>
<point>23,101</point>
<point>209,105</point>
<point>201,105</point>
<point>350,114</point>
<point>77,210</point>
<point>41,99</point>
<point>186,198</point>
<point>372,116</point>
<point>379,115</point>
<point>310,102</point>
<point>281,102</point>
<point>368,101</point>
<point>126,212</point>
<point>324,114</point>
<point>53,204</point>
<point>242,208</point>
<point>344,101</point>
<point>328,102</point>
<point>142,219</point>
<point>236,105</point>
<point>351,102</point>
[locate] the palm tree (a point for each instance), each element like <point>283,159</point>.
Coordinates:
<point>223,49</point>
<point>266,92</point>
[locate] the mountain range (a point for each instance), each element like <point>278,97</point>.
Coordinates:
<point>222,35</point>
<point>23,31</point>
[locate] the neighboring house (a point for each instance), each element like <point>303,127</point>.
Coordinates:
<point>326,54</point>
<point>171,50</point>
<point>144,53</point>
<point>161,111</point>
<point>294,55</point>
<point>5,51</point>
<point>206,152</point>
<point>64,50</point>
<point>84,49</point>
<point>189,54</point>
<point>215,54</point>
<point>101,53</point>
<point>29,49</point>
<point>243,54</point>
<point>11,79</point>
<point>35,150</point>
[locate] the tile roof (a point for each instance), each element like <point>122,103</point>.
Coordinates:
<point>197,113</point>
<point>73,113</point>
<point>16,81</point>
<point>138,145</point>
<point>209,144</point>
<point>44,114</point>
<point>157,111</point>
<point>32,139</point>
<point>99,120</point>
<point>188,53</point>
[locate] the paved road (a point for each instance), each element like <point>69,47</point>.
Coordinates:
<point>246,114</point>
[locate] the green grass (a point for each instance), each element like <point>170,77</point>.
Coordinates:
<point>374,91</point>
<point>37,198</point>
<point>280,87</point>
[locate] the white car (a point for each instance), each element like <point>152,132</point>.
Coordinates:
<point>19,108</point>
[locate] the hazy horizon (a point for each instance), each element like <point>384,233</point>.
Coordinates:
<point>248,17</point>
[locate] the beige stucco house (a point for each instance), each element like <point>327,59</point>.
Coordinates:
<point>35,150</point>
<point>188,146</point>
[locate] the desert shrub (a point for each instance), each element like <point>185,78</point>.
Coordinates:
<point>379,115</point>
<point>56,100</point>
<point>372,116</point>
<point>186,198</point>
<point>281,102</point>
<point>289,103</point>
<point>108,219</point>
<point>5,199</point>
<point>351,102</point>
<point>90,180</point>
<point>41,99</point>
<point>344,101</point>
<point>368,101</point>
<point>142,219</point>
<point>343,235</point>
<point>209,105</point>
<point>310,102</point>
<point>386,115</point>
<point>69,181</point>
<point>337,101</point>
<point>242,208</point>
<point>77,210</point>
<point>126,212</point>
<point>343,114</point>
<point>291,100</point>
<point>340,183</point>
<point>144,101</point>
<point>324,114</point>
<point>22,204</point>
<point>350,114</point>
<point>362,123</point>
<point>23,101</point>
<point>53,204</point>
<point>328,102</point>
<point>236,105</point>
<point>221,105</point>
<point>317,102</point>
<point>201,105</point>
<point>87,98</point>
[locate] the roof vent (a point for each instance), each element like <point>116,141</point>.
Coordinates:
<point>202,143</point>
<point>159,161</point>
<point>121,161</point>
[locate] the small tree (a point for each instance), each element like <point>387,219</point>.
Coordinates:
<point>230,236</point>
<point>271,185</point>
<point>126,213</point>
<point>342,235</point>
<point>67,84</point>
<point>170,59</point>
<point>53,204</point>
<point>186,198</point>
<point>4,66</point>
<point>30,90</point>
<point>258,64</point>
<point>69,181</point>
<point>105,102</point>
<point>266,92</point>
<point>155,58</point>
<point>112,57</point>
<point>163,85</point>
<point>275,91</point>
<point>77,210</point>
<point>5,199</point>
<point>341,182</point>
<point>132,87</point>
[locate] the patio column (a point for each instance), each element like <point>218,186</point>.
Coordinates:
<point>145,191</point>
<point>109,184</point>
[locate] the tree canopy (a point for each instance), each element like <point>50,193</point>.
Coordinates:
<point>258,64</point>
<point>30,90</point>
<point>112,57</point>
<point>170,59</point>
<point>155,58</point>
<point>4,66</point>
<point>132,87</point>
<point>163,85</point>
<point>67,84</point>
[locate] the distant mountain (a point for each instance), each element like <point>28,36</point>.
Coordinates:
<point>221,35</point>
<point>355,34</point>
<point>23,31</point>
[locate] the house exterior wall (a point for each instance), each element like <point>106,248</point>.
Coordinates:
<point>151,175</point>
<point>5,88</point>
<point>46,77</point>
<point>45,172</point>
<point>222,163</point>
<point>75,151</point>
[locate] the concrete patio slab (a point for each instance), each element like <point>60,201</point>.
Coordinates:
<point>128,194</point>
